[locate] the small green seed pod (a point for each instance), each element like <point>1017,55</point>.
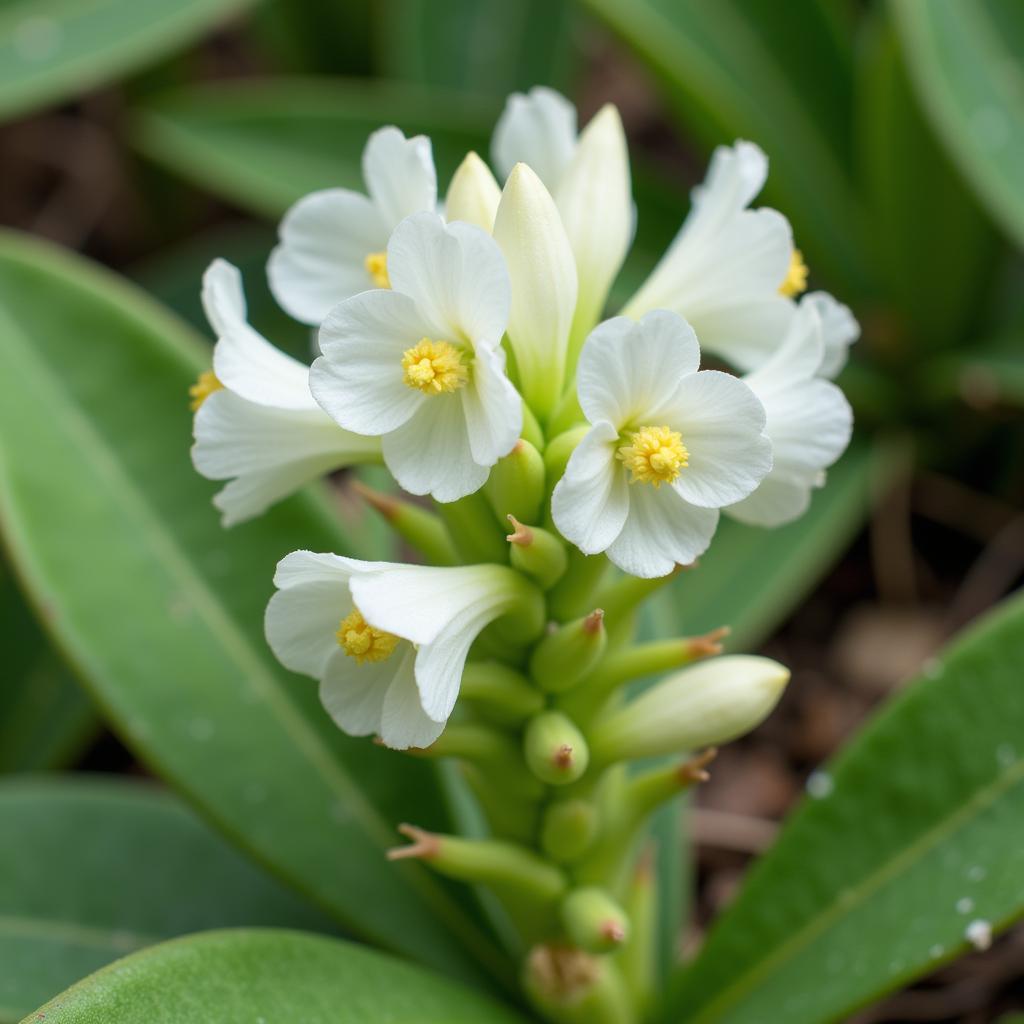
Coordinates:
<point>563,658</point>
<point>555,749</point>
<point>594,921</point>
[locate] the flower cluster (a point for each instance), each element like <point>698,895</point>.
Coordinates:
<point>464,344</point>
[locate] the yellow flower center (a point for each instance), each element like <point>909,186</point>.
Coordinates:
<point>359,640</point>
<point>377,267</point>
<point>434,367</point>
<point>654,455</point>
<point>203,388</point>
<point>796,276</point>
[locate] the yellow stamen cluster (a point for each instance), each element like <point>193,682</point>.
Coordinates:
<point>434,367</point>
<point>796,276</point>
<point>655,455</point>
<point>376,264</point>
<point>359,640</point>
<point>203,388</point>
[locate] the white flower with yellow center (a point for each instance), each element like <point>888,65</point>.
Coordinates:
<point>731,271</point>
<point>421,364</point>
<point>386,641</point>
<point>668,446</point>
<point>333,242</point>
<point>809,420</point>
<point>589,177</point>
<point>256,423</point>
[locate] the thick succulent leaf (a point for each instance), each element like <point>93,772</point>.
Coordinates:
<point>160,610</point>
<point>775,73</point>
<point>263,144</point>
<point>95,867</point>
<point>53,49</point>
<point>751,579</point>
<point>913,837</point>
<point>967,63</point>
<point>45,716</point>
<point>477,46</point>
<point>267,976</point>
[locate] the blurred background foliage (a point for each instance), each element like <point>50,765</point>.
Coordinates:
<point>153,135</point>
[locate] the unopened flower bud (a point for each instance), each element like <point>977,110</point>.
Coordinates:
<point>568,829</point>
<point>556,454</point>
<point>516,484</point>
<point>566,655</point>
<point>555,749</point>
<point>594,921</point>
<point>573,987</point>
<point>473,194</point>
<point>712,702</point>
<point>538,553</point>
<point>499,693</point>
<point>414,524</point>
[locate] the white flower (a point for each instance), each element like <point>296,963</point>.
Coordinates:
<point>839,330</point>
<point>726,269</point>
<point>421,364</point>
<point>333,242</point>
<point>386,641</point>
<point>656,420</point>
<point>808,420</point>
<point>589,179</point>
<point>256,422</point>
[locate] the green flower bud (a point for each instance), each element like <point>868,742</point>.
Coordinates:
<point>414,524</point>
<point>567,655</point>
<point>570,986</point>
<point>712,702</point>
<point>471,525</point>
<point>515,485</point>
<point>555,749</point>
<point>556,455</point>
<point>573,594</point>
<point>568,829</point>
<point>538,553</point>
<point>594,921</point>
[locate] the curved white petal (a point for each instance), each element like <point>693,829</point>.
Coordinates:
<point>359,380</point>
<point>473,194</point>
<point>492,408</point>
<point>736,174</point>
<point>798,357</point>
<point>353,694</point>
<point>302,621</point>
<point>538,129</point>
<point>252,493</point>
<point>430,453</point>
<point>321,258</point>
<point>223,296</point>
<point>661,531</point>
<point>299,567</point>
<point>404,722</point>
<point>721,423</point>
<point>774,502</point>
<point>399,174</point>
<point>629,370</point>
<point>590,503</point>
<point>839,330</point>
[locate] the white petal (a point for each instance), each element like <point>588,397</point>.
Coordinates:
<point>839,330</point>
<point>661,531</point>
<point>302,622</point>
<point>538,129</point>
<point>721,423</point>
<point>300,567</point>
<point>773,503</point>
<point>404,722</point>
<point>321,259</point>
<point>359,380</point>
<point>798,357</point>
<point>596,204</point>
<point>252,493</point>
<point>456,276</point>
<point>542,270</point>
<point>399,174</point>
<point>353,694</point>
<point>431,454</point>
<point>590,503</point>
<point>473,194</point>
<point>735,176</point>
<point>492,408</point>
<point>628,369</point>
<point>222,296</point>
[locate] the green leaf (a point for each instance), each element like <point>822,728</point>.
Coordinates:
<point>751,579</point>
<point>45,716</point>
<point>53,49</point>
<point>273,977</point>
<point>914,835</point>
<point>967,66</point>
<point>266,143</point>
<point>775,73</point>
<point>160,610</point>
<point>933,244</point>
<point>486,47</point>
<point>95,868</point>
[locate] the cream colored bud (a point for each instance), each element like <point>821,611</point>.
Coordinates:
<point>709,703</point>
<point>473,194</point>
